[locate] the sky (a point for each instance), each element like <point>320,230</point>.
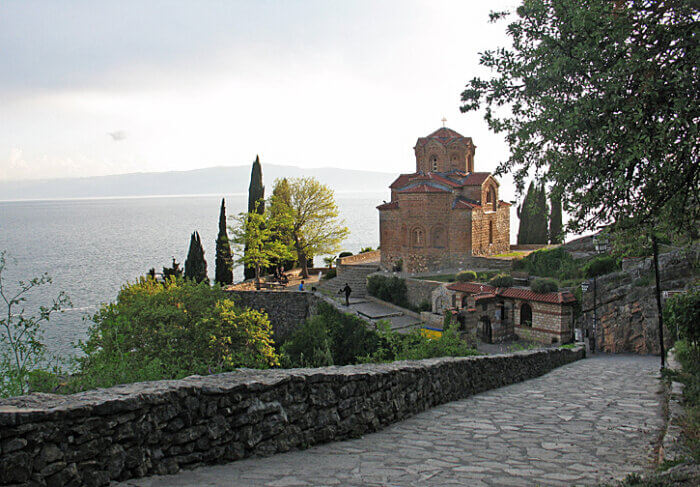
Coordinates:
<point>109,87</point>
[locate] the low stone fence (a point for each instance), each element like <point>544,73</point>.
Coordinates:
<point>365,257</point>
<point>160,427</point>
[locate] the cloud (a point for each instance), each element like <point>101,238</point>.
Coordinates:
<point>118,135</point>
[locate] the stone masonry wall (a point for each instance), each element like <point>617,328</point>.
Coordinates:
<point>626,302</point>
<point>420,290</point>
<point>147,428</point>
<point>286,309</point>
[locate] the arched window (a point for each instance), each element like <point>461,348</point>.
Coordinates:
<point>438,239</point>
<point>417,237</point>
<point>490,232</point>
<point>525,315</point>
<point>434,163</point>
<point>491,198</point>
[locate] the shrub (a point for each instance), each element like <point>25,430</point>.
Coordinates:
<point>330,274</point>
<point>518,264</point>
<point>682,316</point>
<point>600,265</point>
<point>544,285</point>
<point>155,331</point>
<point>425,306</point>
<point>344,254</point>
<point>365,250</point>
<point>556,263</point>
<point>501,280</point>
<point>466,276</point>
<point>329,338</point>
<point>392,289</point>
<point>398,266</point>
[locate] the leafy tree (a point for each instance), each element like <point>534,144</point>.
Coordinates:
<point>544,285</point>
<point>256,200</point>
<point>556,235</point>
<point>502,280</point>
<point>315,227</point>
<point>224,258</point>
<point>169,331</point>
<point>21,346</point>
<point>195,265</point>
<point>603,100</point>
<point>258,233</point>
<point>282,193</point>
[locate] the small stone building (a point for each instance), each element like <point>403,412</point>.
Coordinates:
<point>444,211</point>
<point>501,314</point>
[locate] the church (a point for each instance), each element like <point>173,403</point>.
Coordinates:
<point>444,212</point>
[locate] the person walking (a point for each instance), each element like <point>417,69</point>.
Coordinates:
<point>347,292</point>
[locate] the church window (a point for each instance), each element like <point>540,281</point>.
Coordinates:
<point>417,237</point>
<point>434,163</point>
<point>491,198</point>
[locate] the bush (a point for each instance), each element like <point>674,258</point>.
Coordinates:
<point>392,289</point>
<point>425,306</point>
<point>556,263</point>
<point>518,264</point>
<point>600,265</point>
<point>501,280</point>
<point>329,338</point>
<point>155,331</point>
<point>344,254</point>
<point>544,285</point>
<point>365,250</point>
<point>682,317</point>
<point>330,274</point>
<point>466,276</point>
<point>397,266</point>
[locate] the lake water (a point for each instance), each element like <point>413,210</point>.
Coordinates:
<point>92,247</point>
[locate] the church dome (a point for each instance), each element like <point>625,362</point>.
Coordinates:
<point>445,136</point>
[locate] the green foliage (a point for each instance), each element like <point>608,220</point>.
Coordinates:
<point>195,265</point>
<point>364,250</point>
<point>259,241</point>
<point>256,202</point>
<point>392,289</point>
<point>682,316</point>
<point>155,331</point>
<point>397,266</point>
<point>329,338</point>
<point>556,235</point>
<point>544,285</point>
<point>424,306</point>
<point>313,214</point>
<point>174,271</point>
<point>689,357</point>
<point>21,347</point>
<point>502,280</point>
<point>556,263</point>
<point>600,265</point>
<point>224,258</point>
<point>585,102</point>
<point>518,264</point>
<point>330,274</point>
<point>466,276</point>
<point>524,212</point>
<point>344,254</point>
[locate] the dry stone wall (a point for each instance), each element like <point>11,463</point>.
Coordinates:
<point>626,303</point>
<point>160,427</point>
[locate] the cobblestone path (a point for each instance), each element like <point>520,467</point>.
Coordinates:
<point>581,424</point>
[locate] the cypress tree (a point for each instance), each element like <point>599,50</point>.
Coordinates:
<point>256,200</point>
<point>541,235</point>
<point>555,222</point>
<point>195,265</point>
<point>525,215</point>
<point>224,258</point>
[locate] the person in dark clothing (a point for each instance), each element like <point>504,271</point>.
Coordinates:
<point>347,292</point>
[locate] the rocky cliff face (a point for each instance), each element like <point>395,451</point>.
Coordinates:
<point>626,303</point>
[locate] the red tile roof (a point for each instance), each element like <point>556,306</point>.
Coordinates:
<point>563,297</point>
<point>476,179</point>
<point>402,180</point>
<point>392,205</point>
<point>424,188</point>
<point>462,204</point>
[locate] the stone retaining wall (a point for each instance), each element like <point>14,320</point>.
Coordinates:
<point>419,290</point>
<point>160,427</point>
<point>286,309</point>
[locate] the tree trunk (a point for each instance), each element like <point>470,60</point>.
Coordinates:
<point>304,266</point>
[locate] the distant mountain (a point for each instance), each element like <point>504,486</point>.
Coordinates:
<point>216,180</point>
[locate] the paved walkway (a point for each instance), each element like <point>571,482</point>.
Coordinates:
<point>581,424</point>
